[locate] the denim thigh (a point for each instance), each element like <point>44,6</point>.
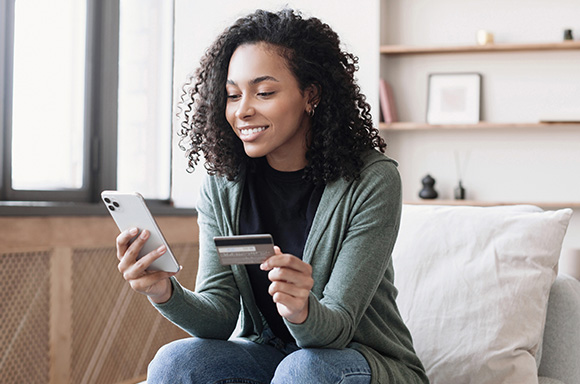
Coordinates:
<point>323,366</point>
<point>208,361</point>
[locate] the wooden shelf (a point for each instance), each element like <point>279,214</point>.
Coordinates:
<point>412,126</point>
<point>392,50</point>
<point>478,203</point>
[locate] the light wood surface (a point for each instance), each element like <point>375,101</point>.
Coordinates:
<point>426,50</point>
<point>415,126</point>
<point>61,317</point>
<point>70,231</point>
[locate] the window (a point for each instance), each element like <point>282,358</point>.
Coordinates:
<point>87,98</point>
<point>145,97</point>
<point>47,95</point>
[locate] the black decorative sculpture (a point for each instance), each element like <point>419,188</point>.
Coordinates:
<point>428,192</point>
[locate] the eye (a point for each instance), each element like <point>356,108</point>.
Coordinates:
<point>233,97</point>
<point>265,94</point>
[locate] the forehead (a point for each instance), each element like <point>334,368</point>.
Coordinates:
<point>255,60</point>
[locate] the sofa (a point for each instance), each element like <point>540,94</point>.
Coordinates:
<point>480,292</point>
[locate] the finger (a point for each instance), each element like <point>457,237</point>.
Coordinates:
<point>287,261</point>
<point>284,288</point>
<point>292,303</point>
<point>132,253</point>
<point>299,279</point>
<point>122,241</point>
<point>276,260</point>
<point>133,270</point>
<point>277,250</point>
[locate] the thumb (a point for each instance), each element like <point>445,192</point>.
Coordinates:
<point>277,250</point>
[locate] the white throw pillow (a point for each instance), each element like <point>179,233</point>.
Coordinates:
<point>473,288</point>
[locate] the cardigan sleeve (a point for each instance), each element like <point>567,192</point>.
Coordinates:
<point>355,293</point>
<point>212,310</point>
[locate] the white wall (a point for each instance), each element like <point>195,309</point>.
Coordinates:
<point>499,165</point>
<point>198,23</point>
<point>506,165</point>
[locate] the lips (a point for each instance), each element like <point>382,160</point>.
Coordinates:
<point>250,133</point>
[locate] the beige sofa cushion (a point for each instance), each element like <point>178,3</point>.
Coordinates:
<point>474,284</point>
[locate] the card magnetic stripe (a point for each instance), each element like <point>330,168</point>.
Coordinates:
<point>234,242</point>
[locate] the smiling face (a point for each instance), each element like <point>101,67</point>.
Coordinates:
<point>266,108</point>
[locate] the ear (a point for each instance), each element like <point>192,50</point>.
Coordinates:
<point>313,93</point>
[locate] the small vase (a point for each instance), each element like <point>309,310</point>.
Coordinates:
<point>459,192</point>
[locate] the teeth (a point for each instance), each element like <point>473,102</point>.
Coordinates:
<point>252,130</point>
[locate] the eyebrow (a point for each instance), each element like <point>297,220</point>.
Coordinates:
<point>257,80</point>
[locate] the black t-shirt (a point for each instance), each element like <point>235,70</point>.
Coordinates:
<point>282,204</point>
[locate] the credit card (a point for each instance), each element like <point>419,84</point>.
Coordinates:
<point>244,249</point>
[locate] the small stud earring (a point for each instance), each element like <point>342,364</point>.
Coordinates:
<point>312,110</point>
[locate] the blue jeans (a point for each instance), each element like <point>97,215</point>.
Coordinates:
<point>207,361</point>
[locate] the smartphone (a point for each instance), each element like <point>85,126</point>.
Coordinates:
<point>244,249</point>
<point>130,211</point>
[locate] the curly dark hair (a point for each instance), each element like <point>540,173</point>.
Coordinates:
<point>341,129</point>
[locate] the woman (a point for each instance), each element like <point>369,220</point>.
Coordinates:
<point>290,150</point>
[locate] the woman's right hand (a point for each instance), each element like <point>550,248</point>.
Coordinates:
<point>155,284</point>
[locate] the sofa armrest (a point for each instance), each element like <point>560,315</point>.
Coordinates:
<point>561,345</point>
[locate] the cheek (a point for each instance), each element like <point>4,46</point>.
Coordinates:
<point>230,115</point>
<point>285,110</point>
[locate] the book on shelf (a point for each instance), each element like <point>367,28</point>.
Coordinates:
<point>387,101</point>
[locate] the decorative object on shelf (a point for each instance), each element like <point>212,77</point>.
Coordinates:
<point>568,35</point>
<point>428,191</point>
<point>389,112</point>
<point>459,191</point>
<point>453,98</point>
<point>484,37</point>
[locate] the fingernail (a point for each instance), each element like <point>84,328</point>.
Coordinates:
<point>133,231</point>
<point>144,234</point>
<point>161,249</point>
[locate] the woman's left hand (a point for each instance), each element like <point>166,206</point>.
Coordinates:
<point>291,284</point>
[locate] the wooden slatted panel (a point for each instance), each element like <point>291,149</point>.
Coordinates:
<point>24,317</point>
<point>115,331</point>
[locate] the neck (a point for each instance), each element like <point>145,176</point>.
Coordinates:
<point>287,163</point>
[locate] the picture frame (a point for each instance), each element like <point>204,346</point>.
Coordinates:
<point>454,98</point>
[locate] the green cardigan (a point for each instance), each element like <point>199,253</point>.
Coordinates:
<point>352,303</point>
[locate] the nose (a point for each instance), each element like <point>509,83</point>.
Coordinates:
<point>245,108</point>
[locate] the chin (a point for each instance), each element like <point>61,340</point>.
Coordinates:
<point>254,152</point>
